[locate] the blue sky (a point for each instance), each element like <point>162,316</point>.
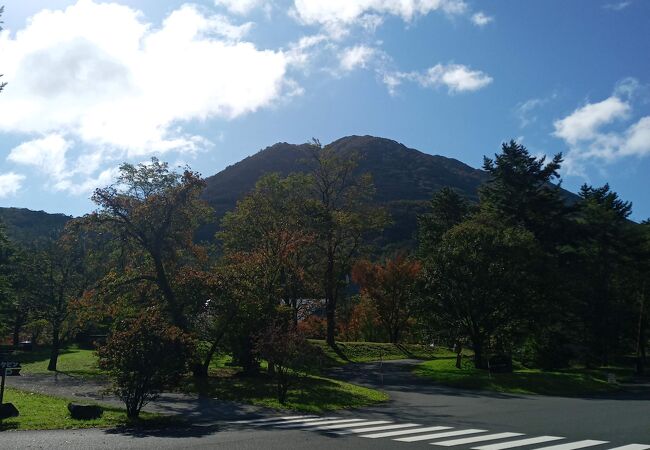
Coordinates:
<point>94,83</point>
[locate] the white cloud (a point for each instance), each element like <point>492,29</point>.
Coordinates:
<point>618,6</point>
<point>481,19</point>
<point>337,15</point>
<point>456,77</point>
<point>590,136</point>
<point>10,183</point>
<point>584,123</point>
<point>526,111</point>
<point>129,93</point>
<point>239,6</point>
<point>637,139</point>
<point>356,57</point>
<point>48,154</point>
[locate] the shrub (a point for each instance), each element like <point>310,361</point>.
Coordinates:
<point>144,356</point>
<point>289,353</point>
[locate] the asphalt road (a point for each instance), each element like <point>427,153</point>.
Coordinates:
<point>620,421</point>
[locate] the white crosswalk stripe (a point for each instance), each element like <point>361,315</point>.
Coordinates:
<point>315,423</point>
<point>438,435</point>
<point>404,432</point>
<point>573,445</point>
<point>271,419</point>
<point>474,439</point>
<point>286,422</point>
<point>520,443</point>
<point>632,447</point>
<point>380,428</point>
<point>430,437</point>
<point>348,425</point>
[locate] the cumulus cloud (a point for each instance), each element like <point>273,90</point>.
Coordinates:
<point>481,19</point>
<point>47,154</point>
<point>338,15</point>
<point>457,78</point>
<point>10,183</point>
<point>585,122</point>
<point>356,57</point>
<point>592,134</point>
<point>130,93</point>
<point>240,6</point>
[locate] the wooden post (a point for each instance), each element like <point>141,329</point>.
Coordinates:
<point>2,385</point>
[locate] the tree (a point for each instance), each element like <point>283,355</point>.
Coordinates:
<point>272,223</point>
<point>480,281</point>
<point>448,208</point>
<point>392,287</point>
<point>289,352</point>
<point>63,278</point>
<point>605,263</point>
<point>143,356</point>
<point>521,191</point>
<point>342,217</point>
<point>151,214</point>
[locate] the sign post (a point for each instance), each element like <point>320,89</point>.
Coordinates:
<point>7,368</point>
<point>2,386</point>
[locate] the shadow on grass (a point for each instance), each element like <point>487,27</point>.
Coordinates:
<point>307,393</point>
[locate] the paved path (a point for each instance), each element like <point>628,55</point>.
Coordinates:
<point>418,415</point>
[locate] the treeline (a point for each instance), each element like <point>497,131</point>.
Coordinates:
<point>524,273</point>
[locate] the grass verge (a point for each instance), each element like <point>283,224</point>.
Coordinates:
<point>72,361</point>
<point>374,351</point>
<point>43,412</point>
<point>570,382</point>
<point>310,393</point>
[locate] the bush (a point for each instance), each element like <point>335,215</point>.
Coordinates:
<point>289,353</point>
<point>143,357</point>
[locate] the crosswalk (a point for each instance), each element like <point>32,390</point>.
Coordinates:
<point>438,435</point>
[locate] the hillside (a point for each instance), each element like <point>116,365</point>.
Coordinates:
<point>404,178</point>
<point>30,227</point>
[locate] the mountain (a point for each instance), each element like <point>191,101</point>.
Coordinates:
<point>404,179</point>
<point>30,227</point>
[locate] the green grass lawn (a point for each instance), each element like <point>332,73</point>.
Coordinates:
<point>43,412</point>
<point>374,351</point>
<point>72,361</point>
<point>309,393</point>
<point>570,382</point>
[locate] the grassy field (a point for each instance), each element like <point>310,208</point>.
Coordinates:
<point>310,393</point>
<point>570,382</point>
<point>43,412</point>
<point>72,361</point>
<point>374,351</point>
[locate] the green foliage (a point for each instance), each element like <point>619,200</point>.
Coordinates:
<point>393,288</point>
<point>288,353</point>
<point>521,192</point>
<point>447,209</point>
<point>32,229</point>
<point>148,220</point>
<point>523,381</point>
<point>482,280</point>
<point>143,357</point>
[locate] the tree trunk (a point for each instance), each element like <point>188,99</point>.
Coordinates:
<point>331,323</point>
<point>479,359</point>
<point>172,302</point>
<point>641,339</point>
<point>16,333</point>
<point>54,353</point>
